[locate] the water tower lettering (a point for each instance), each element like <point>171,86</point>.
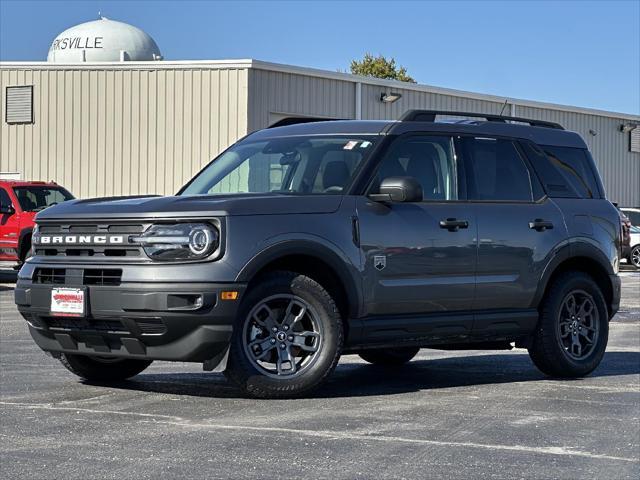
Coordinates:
<point>82,43</point>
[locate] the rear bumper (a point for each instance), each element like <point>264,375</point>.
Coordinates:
<point>625,251</point>
<point>156,321</point>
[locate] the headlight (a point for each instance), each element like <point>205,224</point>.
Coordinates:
<point>180,241</point>
<point>35,235</point>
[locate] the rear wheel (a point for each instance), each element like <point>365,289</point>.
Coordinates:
<point>390,356</point>
<point>103,369</point>
<point>573,329</point>
<point>288,337</point>
<point>635,256</point>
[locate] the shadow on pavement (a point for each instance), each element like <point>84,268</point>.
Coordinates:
<point>7,276</point>
<point>355,380</point>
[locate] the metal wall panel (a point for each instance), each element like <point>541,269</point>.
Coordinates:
<point>297,95</point>
<point>118,131</point>
<point>374,109</point>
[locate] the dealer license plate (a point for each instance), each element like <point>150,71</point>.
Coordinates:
<point>67,302</point>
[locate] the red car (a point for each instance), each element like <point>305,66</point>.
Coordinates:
<point>19,203</point>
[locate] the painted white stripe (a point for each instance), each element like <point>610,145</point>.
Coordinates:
<point>331,435</point>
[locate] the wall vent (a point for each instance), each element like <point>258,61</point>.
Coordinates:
<point>19,104</point>
<point>634,140</point>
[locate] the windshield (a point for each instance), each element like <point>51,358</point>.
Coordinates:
<point>34,199</point>
<point>300,165</point>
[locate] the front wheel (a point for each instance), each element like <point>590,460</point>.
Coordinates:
<point>635,256</point>
<point>390,356</point>
<point>103,369</point>
<point>288,337</point>
<point>573,328</point>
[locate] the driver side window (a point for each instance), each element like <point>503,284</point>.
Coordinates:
<point>429,159</point>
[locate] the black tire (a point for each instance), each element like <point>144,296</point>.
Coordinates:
<point>634,256</point>
<point>390,356</point>
<point>25,250</point>
<point>259,382</point>
<point>547,350</point>
<point>103,370</point>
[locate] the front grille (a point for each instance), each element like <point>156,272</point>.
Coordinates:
<point>89,276</point>
<point>76,324</point>
<point>88,250</point>
<point>91,228</point>
<point>54,276</point>
<point>102,276</point>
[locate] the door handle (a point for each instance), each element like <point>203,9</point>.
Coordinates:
<point>453,224</point>
<point>540,225</point>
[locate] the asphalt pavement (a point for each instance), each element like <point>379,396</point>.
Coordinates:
<point>471,414</point>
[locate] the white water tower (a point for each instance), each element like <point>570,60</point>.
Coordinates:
<point>103,40</point>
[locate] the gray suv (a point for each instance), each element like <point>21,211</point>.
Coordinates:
<point>308,241</point>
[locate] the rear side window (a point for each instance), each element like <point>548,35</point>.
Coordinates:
<point>574,166</point>
<point>565,172</point>
<point>495,171</point>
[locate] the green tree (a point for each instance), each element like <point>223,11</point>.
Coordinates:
<point>380,67</point>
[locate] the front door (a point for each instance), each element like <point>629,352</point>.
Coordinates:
<point>419,257</point>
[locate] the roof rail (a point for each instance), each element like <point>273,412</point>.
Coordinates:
<point>430,116</point>
<point>295,120</point>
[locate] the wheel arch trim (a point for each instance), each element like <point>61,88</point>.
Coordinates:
<point>571,252</point>
<point>328,254</point>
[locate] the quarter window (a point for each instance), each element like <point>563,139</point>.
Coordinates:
<point>573,166</point>
<point>495,171</point>
<point>429,159</point>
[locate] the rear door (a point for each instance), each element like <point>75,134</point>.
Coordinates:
<point>419,257</point>
<point>519,228</point>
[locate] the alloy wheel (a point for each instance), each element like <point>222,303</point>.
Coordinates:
<point>282,336</point>
<point>635,257</point>
<point>578,324</point>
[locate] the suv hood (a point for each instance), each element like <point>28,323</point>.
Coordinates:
<point>151,207</point>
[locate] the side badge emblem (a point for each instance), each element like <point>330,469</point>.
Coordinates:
<point>379,261</point>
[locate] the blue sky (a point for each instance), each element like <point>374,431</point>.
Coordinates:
<point>584,53</point>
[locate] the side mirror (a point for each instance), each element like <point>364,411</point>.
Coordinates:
<point>398,189</point>
<point>7,209</point>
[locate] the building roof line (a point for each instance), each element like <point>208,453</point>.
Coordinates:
<point>315,72</point>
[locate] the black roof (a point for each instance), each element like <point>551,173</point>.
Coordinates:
<point>549,134</point>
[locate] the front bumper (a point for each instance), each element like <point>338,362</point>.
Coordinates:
<point>156,321</point>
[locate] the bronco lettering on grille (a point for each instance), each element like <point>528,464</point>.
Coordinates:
<point>80,239</point>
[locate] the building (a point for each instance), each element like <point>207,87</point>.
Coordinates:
<point>120,127</point>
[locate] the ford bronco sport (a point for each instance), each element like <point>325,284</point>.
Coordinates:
<point>304,242</point>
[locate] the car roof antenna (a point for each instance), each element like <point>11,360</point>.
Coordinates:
<point>503,106</point>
